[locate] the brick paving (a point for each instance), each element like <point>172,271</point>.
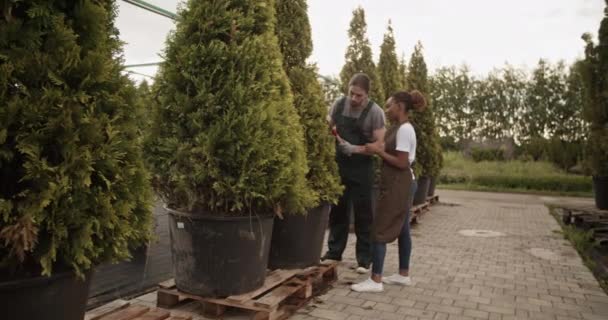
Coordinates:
<point>529,272</point>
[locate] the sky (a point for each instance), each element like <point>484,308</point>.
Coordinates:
<point>484,34</point>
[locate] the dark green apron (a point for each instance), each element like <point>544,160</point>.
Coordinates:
<point>356,170</point>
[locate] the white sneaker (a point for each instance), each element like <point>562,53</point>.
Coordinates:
<point>397,279</point>
<point>327,262</point>
<point>362,270</point>
<point>368,285</point>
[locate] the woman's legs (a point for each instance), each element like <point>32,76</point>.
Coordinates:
<point>374,283</point>
<point>405,238</point>
<point>378,255</point>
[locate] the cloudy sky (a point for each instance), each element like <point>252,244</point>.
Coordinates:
<point>481,33</point>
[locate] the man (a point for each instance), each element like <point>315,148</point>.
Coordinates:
<point>358,121</point>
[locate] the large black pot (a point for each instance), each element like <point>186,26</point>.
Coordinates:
<point>297,240</point>
<point>62,296</point>
<point>432,184</point>
<point>218,256</point>
<point>422,191</point>
<point>600,188</point>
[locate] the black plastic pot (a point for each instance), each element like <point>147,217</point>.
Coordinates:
<point>422,191</point>
<point>218,256</point>
<point>432,184</point>
<point>62,296</point>
<point>600,189</point>
<point>297,240</point>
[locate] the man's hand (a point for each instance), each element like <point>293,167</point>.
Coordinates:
<point>347,148</point>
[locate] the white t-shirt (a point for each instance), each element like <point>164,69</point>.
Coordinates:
<point>406,142</point>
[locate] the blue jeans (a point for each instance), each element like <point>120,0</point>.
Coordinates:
<point>404,241</point>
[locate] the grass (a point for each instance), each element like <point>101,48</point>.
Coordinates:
<point>515,176</point>
<point>474,187</point>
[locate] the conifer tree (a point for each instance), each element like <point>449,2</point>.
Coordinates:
<point>226,138</point>
<point>389,68</point>
<point>428,151</point>
<point>73,188</point>
<point>359,57</point>
<point>293,32</point>
<point>594,71</point>
<point>402,72</point>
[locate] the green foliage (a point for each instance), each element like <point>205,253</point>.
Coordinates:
<point>536,148</point>
<point>359,57</point>
<point>428,150</point>
<point>293,32</point>
<point>226,139</point>
<point>74,191</point>
<point>389,68</point>
<point>402,73</point>
<point>596,152</point>
<point>146,99</point>
<point>450,89</point>
<point>594,72</point>
<point>487,154</point>
<point>511,175</point>
<point>506,104</point>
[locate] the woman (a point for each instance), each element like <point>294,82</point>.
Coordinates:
<point>397,188</point>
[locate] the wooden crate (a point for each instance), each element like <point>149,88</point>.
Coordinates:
<point>283,292</point>
<point>136,312</point>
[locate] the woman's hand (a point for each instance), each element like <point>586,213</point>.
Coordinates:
<point>374,148</point>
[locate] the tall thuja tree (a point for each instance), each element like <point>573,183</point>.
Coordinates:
<point>388,65</point>
<point>595,78</point>
<point>402,72</point>
<point>359,57</point>
<point>145,97</point>
<point>226,139</point>
<point>293,31</point>
<point>73,188</point>
<point>428,151</point>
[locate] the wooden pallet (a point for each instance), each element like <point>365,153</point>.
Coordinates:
<point>283,292</point>
<point>418,210</point>
<point>433,199</point>
<point>137,312</point>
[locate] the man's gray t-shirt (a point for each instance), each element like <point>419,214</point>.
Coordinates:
<point>375,118</point>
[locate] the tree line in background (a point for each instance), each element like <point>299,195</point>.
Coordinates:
<point>506,114</point>
<point>537,113</point>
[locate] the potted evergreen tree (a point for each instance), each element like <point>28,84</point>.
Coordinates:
<point>437,163</point>
<point>74,191</point>
<point>428,151</point>
<point>226,147</point>
<point>297,240</point>
<point>594,70</point>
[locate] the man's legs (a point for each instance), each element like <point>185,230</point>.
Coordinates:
<point>362,206</point>
<point>338,227</point>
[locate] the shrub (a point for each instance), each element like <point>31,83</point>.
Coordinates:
<point>479,154</point>
<point>226,138</point>
<point>73,189</point>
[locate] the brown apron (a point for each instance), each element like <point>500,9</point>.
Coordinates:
<point>392,204</point>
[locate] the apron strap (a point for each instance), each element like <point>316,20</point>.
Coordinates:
<point>364,114</point>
